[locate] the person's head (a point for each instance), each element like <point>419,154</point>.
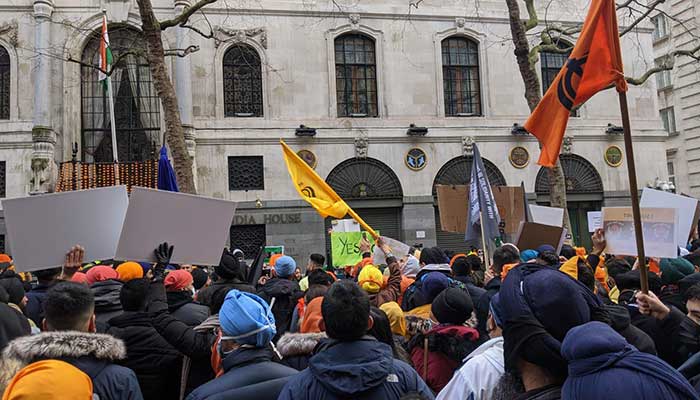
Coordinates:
<point>494,323</point>
<point>346,311</point>
<point>178,281</point>
<point>15,290</point>
<point>245,319</point>
<point>49,379</point>
<point>312,321</point>
<point>370,279</point>
<point>320,277</point>
<point>297,274</point>
<point>502,256</point>
<point>528,255</point>
<point>381,328</point>
<point>238,254</point>
<point>285,267</point>
<point>200,278</point>
<point>134,295</point>
<point>675,269</point>
<point>315,291</point>
<point>617,266</point>
<point>397,319</point>
<point>548,258</point>
<point>694,259</point>
<point>692,298</point>
<point>433,255</point>
<point>230,268</point>
<point>432,284</point>
<point>46,276</point>
<point>452,306</point>
<point>69,306</point>
<point>129,270</point>
<point>586,275</point>
<point>567,251</point>
<point>463,266</point>
<point>100,273</point>
<point>316,261</point>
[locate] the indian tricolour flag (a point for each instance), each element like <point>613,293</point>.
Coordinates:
<point>105,53</point>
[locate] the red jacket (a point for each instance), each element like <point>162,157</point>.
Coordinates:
<point>447,347</point>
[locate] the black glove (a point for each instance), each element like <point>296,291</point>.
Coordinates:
<point>163,253</point>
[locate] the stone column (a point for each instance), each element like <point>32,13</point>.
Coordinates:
<point>183,86</point>
<point>43,135</point>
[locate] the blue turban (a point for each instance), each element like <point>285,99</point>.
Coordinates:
<point>527,255</point>
<point>602,365</point>
<point>247,319</point>
<point>285,266</point>
<point>433,283</point>
<point>540,305</point>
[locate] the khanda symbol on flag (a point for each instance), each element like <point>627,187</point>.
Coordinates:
<point>317,192</point>
<point>595,64</point>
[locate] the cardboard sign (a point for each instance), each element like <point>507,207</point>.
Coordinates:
<point>685,210</point>
<point>345,225</point>
<point>552,216</point>
<point>398,249</point>
<point>531,235</point>
<point>42,229</point>
<point>452,203</point>
<point>197,226</point>
<point>658,228</point>
<point>595,220</point>
<point>511,207</point>
<point>345,247</point>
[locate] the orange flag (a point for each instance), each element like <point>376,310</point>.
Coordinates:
<point>594,64</point>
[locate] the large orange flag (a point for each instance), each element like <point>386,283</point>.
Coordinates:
<point>594,64</point>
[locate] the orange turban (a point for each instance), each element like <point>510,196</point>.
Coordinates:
<point>177,280</point>
<point>49,380</point>
<point>129,270</point>
<point>312,317</point>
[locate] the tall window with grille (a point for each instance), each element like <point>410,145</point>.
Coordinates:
<point>243,94</point>
<point>551,63</point>
<point>4,84</point>
<point>136,104</point>
<point>460,77</point>
<point>356,76</point>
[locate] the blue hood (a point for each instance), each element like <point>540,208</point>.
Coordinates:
<point>348,368</point>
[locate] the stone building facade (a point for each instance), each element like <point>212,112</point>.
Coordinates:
<point>386,100</point>
<point>677,26</point>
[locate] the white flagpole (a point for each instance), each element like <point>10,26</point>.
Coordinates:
<point>110,94</point>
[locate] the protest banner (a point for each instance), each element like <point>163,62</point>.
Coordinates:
<point>41,229</point>
<point>532,235</point>
<point>595,220</point>
<point>552,216</point>
<point>270,250</point>
<point>658,228</point>
<point>511,207</point>
<point>345,247</point>
<point>398,249</point>
<point>685,206</point>
<point>452,204</point>
<point>197,226</point>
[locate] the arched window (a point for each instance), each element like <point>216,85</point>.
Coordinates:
<point>552,63</point>
<point>356,76</point>
<point>242,82</point>
<point>460,77</point>
<point>136,104</point>
<point>4,84</point>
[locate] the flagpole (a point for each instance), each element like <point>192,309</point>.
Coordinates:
<point>115,156</point>
<point>484,245</point>
<point>634,192</point>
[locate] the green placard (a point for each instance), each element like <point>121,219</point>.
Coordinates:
<point>345,248</point>
<point>270,250</point>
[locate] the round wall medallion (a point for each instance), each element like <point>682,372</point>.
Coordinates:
<point>613,156</point>
<point>415,159</point>
<point>309,157</point>
<point>519,157</point>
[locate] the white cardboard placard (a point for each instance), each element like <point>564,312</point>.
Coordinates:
<point>595,220</point>
<point>551,216</point>
<point>685,207</point>
<point>197,226</point>
<point>42,229</point>
<point>658,230</point>
<point>398,249</point>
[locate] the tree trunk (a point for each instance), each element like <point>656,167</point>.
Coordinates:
<point>175,134</point>
<point>557,183</point>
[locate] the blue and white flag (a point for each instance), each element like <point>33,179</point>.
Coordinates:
<point>481,204</point>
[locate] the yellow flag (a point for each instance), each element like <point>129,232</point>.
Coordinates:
<point>316,191</point>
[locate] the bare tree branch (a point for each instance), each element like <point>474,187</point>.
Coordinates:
<point>650,8</point>
<point>185,16</point>
<point>181,52</point>
<point>205,35</point>
<point>532,20</point>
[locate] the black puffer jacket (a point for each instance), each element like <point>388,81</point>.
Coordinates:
<point>286,294</point>
<point>621,322</point>
<point>206,295</point>
<point>182,307</point>
<point>156,363</point>
<point>107,305</point>
<point>12,325</point>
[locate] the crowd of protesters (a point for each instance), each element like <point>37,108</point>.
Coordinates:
<point>533,324</point>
